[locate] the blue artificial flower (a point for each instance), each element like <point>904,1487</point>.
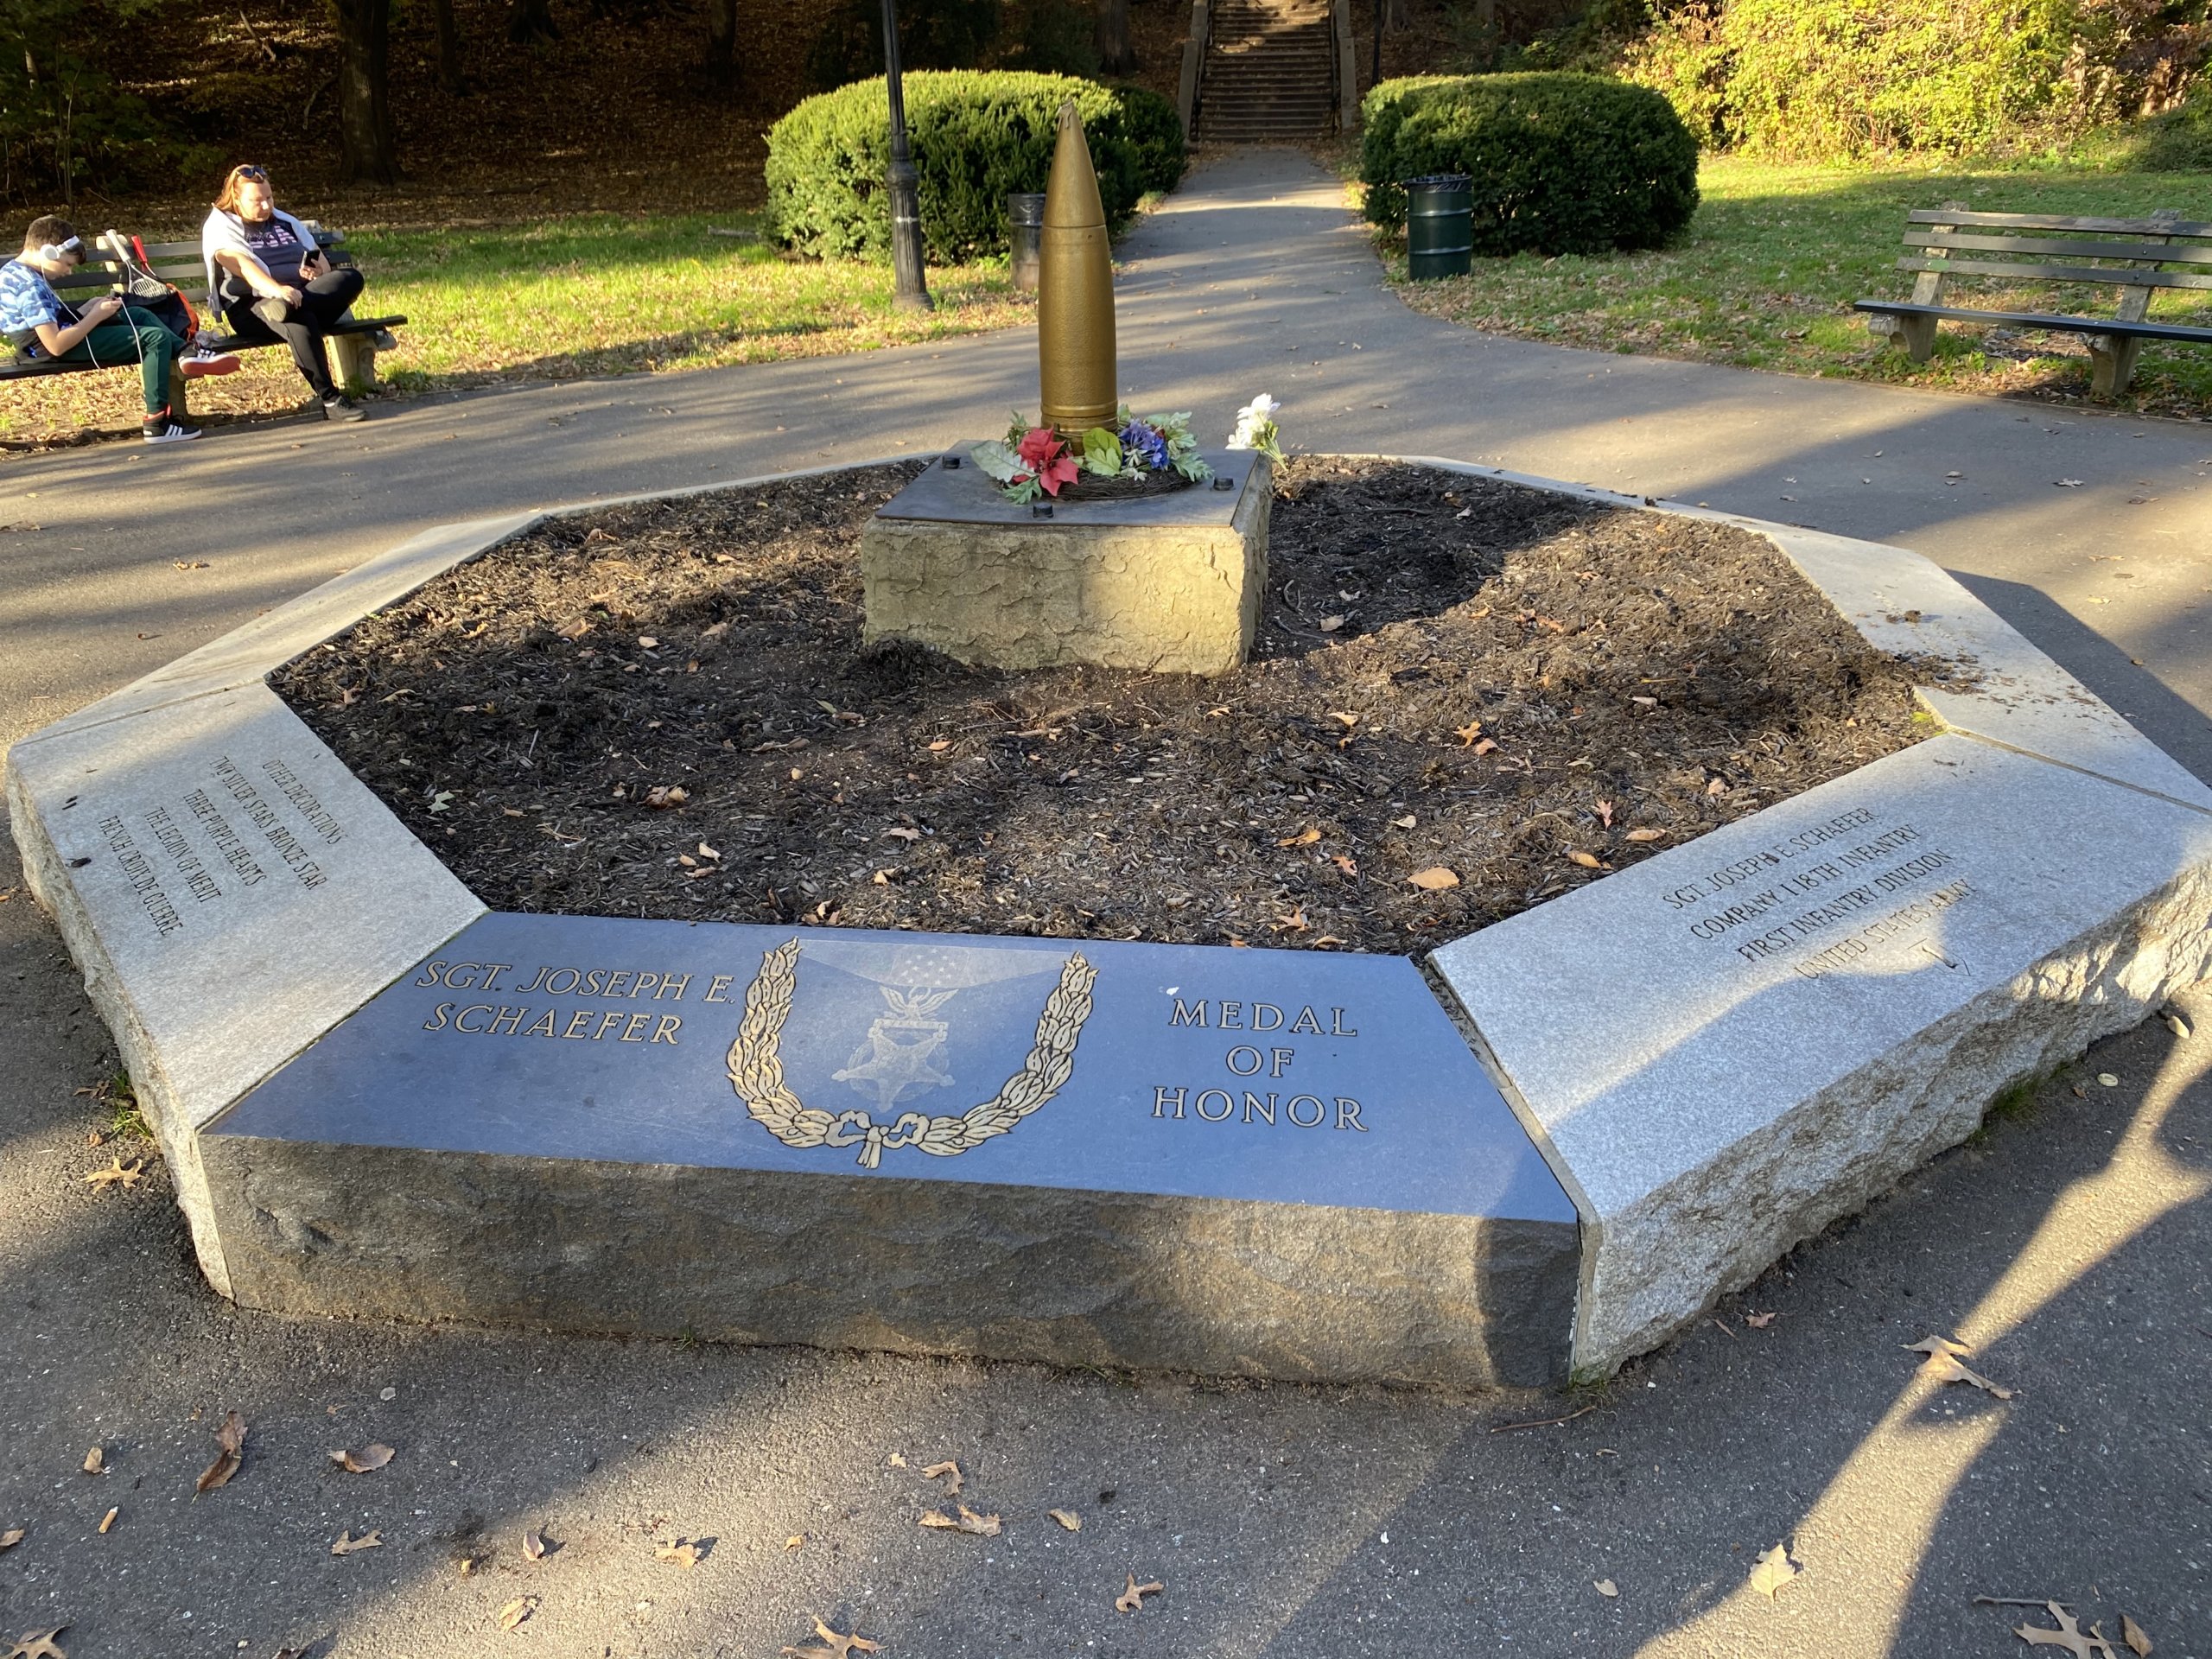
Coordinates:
<point>1145,444</point>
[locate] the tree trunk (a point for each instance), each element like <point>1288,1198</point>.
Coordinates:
<point>367,151</point>
<point>451,80</point>
<point>1395,18</point>
<point>532,20</point>
<point>1110,34</point>
<point>721,40</point>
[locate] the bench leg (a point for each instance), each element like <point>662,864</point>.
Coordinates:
<point>2113,363</point>
<point>1917,336</point>
<point>353,361</point>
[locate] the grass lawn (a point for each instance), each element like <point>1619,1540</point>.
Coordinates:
<point>560,299</point>
<point>1765,277</point>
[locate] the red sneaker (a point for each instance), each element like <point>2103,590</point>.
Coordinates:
<point>196,367</point>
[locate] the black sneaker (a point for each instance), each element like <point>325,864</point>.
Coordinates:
<point>342,408</point>
<point>161,430</point>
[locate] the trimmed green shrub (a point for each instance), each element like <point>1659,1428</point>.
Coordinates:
<point>1561,163</point>
<point>2180,141</point>
<point>977,136</point>
<point>1157,131</point>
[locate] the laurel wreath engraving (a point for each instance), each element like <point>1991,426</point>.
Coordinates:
<point>756,1071</point>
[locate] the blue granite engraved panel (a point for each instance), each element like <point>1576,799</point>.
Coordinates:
<point>1286,1076</point>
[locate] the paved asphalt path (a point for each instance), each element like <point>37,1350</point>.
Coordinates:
<point>2069,1245</point>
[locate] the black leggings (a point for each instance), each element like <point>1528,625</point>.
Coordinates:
<point>320,304</point>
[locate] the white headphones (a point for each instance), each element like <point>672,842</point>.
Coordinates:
<point>55,250</point>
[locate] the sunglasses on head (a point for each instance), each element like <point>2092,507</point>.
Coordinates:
<point>253,173</point>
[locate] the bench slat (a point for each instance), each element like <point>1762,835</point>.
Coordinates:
<point>2103,278</point>
<point>2150,250</point>
<point>2046,321</point>
<point>2060,222</point>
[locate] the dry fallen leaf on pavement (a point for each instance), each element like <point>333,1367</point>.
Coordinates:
<point>533,1546</point>
<point>1607,1588</point>
<point>31,1645</point>
<point>1434,879</point>
<point>2068,1636</point>
<point>2177,1021</point>
<point>117,1173</point>
<point>2135,1635</point>
<point>683,1553</point>
<point>838,1647</point>
<point>1067,1518</point>
<point>231,1437</point>
<point>1943,1365</point>
<point>13,1536</point>
<point>983,1526</point>
<point>1760,1321</point>
<point>96,1461</point>
<point>794,1540</point>
<point>517,1610</point>
<point>1773,1572</point>
<point>1132,1599</point>
<point>347,1543</point>
<point>373,1456</point>
<point>948,1467</point>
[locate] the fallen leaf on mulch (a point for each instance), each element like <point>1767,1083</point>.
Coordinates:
<point>1132,1599</point>
<point>96,1461</point>
<point>13,1536</point>
<point>517,1610</point>
<point>32,1645</point>
<point>948,1467</point>
<point>1646,834</point>
<point>1943,1365</point>
<point>836,1646</point>
<point>1587,860</point>
<point>2135,1635</point>
<point>683,1553</point>
<point>983,1526</point>
<point>1773,1571</point>
<point>1067,1518</point>
<point>347,1543</point>
<point>1331,624</point>
<point>533,1546</point>
<point>1488,746</point>
<point>1434,879</point>
<point>1305,837</point>
<point>231,1437</point>
<point>370,1457</point>
<point>663,797</point>
<point>117,1174</point>
<point>1468,733</point>
<point>2068,1636</point>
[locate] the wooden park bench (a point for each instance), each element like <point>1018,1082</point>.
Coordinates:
<point>2128,254</point>
<point>353,342</point>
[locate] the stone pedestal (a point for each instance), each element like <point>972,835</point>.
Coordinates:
<point>1166,583</point>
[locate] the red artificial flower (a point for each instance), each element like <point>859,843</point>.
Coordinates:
<point>1047,458</point>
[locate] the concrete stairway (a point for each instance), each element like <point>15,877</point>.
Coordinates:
<point>1268,73</point>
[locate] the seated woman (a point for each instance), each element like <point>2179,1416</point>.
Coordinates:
<point>271,282</point>
<point>104,331</point>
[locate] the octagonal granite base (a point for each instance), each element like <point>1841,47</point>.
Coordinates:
<point>1544,1149</point>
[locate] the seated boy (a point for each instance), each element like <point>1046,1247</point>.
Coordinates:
<point>105,331</point>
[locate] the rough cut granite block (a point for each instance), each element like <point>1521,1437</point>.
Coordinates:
<point>230,892</point>
<point>1168,584</point>
<point>1731,1045</point>
<point>1274,1163</point>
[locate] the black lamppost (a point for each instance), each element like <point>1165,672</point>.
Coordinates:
<point>909,289</point>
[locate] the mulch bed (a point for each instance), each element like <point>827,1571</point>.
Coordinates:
<point>665,710</point>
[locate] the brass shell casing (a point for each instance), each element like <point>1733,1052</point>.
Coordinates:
<point>1075,291</point>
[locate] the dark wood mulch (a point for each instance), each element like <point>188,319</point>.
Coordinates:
<point>1453,675</point>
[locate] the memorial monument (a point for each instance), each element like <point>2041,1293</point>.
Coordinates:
<point>1098,536</point>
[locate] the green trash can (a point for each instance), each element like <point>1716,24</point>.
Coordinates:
<point>1440,225</point>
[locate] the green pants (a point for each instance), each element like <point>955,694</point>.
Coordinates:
<point>134,337</point>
